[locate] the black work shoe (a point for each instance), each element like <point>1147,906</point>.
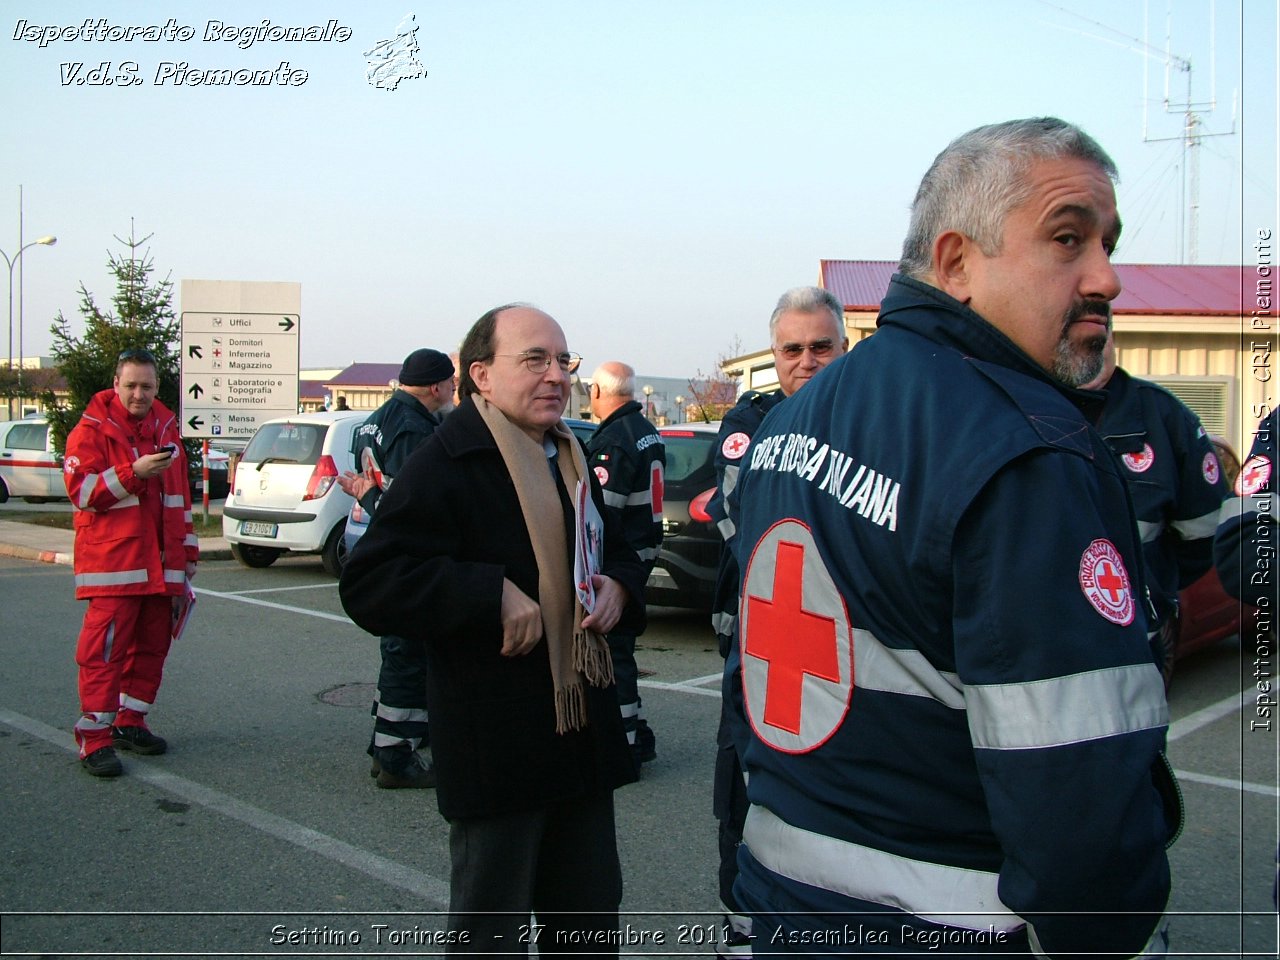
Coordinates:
<point>414,775</point>
<point>138,739</point>
<point>375,768</point>
<point>103,762</point>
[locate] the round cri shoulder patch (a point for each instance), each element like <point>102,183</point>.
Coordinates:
<point>1141,461</point>
<point>1209,467</point>
<point>601,474</point>
<point>1254,475</point>
<point>71,464</point>
<point>735,445</point>
<point>796,642</point>
<point>1105,582</point>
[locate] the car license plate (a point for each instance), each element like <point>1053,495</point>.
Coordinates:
<point>254,528</point>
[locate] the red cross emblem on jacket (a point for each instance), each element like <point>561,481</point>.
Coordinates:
<point>797,649</point>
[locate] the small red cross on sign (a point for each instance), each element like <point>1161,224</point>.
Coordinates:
<point>797,655</point>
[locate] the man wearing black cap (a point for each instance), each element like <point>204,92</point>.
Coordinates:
<point>381,446</point>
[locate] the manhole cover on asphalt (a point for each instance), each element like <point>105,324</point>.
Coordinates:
<point>349,695</point>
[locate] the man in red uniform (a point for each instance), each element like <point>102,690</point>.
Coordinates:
<point>126,475</point>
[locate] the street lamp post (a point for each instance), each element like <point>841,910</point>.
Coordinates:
<point>648,401</point>
<point>42,242</point>
<point>680,407</point>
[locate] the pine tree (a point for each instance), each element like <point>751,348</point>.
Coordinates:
<point>142,318</point>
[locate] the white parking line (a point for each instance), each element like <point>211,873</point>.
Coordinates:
<point>337,618</point>
<point>308,586</point>
<point>1207,715</point>
<point>1242,785</point>
<point>379,868</point>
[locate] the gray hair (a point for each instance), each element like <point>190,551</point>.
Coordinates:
<point>981,176</point>
<point>611,384</point>
<point>807,300</point>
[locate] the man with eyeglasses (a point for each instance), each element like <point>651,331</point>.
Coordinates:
<point>471,555</point>
<point>806,332</point>
<point>380,447</point>
<point>135,550</point>
<point>628,458</point>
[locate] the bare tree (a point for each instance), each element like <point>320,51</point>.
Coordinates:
<point>714,394</point>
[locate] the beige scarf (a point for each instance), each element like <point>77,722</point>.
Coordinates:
<point>575,653</point>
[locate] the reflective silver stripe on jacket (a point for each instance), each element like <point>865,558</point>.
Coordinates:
<point>175,576</point>
<point>1063,710</point>
<point>724,624</point>
<point>86,490</point>
<point>726,529</point>
<point>401,714</point>
<point>730,480</point>
<point>908,672</point>
<point>129,501</point>
<point>1197,528</point>
<point>614,499</point>
<point>112,579</point>
<point>1149,530</point>
<point>112,480</point>
<point>134,704</point>
<point>954,896</point>
<point>191,540</point>
<point>1234,508</point>
<point>174,500</point>
<point>647,553</point>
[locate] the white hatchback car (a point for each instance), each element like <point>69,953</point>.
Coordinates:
<point>28,466</point>
<point>285,494</point>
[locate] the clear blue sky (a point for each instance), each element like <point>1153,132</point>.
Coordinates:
<point>652,174</point>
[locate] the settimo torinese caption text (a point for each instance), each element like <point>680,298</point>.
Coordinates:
<point>130,73</point>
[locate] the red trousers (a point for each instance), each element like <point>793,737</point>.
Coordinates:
<point>121,654</point>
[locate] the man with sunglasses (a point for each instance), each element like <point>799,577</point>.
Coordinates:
<point>380,448</point>
<point>806,332</point>
<point>135,550</point>
<point>471,555</point>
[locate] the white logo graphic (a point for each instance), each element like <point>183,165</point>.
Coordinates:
<point>1210,468</point>
<point>391,61</point>
<point>1254,475</point>
<point>735,445</point>
<point>1140,462</point>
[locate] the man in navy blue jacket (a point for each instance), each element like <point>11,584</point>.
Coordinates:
<point>956,721</point>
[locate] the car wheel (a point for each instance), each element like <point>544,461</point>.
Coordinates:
<point>4,493</point>
<point>252,556</point>
<point>334,554</point>
<point>35,499</point>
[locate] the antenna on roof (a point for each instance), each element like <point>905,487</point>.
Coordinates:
<point>1193,132</point>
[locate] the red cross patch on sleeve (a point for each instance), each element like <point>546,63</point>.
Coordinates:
<point>1105,582</point>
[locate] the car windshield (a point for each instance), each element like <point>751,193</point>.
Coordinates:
<point>689,456</point>
<point>287,443</point>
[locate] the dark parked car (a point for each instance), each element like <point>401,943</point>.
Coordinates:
<point>684,574</point>
<point>358,519</point>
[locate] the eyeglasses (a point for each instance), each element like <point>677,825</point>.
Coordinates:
<point>819,348</point>
<point>539,361</point>
<point>137,355</point>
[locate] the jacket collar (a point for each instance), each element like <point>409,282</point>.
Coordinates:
<point>630,407</point>
<point>415,406</point>
<point>930,312</point>
<point>1122,414</point>
<point>464,431</point>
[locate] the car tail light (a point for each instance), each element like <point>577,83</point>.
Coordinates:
<point>698,506</point>
<point>322,478</point>
<point>231,472</point>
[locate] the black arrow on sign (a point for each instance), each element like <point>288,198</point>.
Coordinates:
<point>195,423</point>
<point>194,351</point>
<point>195,390</point>
<point>287,324</point>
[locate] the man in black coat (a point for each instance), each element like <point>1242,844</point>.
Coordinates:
<point>380,447</point>
<point>471,555</point>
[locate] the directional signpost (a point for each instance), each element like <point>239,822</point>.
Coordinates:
<point>239,356</point>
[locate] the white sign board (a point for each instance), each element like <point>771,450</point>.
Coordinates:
<point>239,356</point>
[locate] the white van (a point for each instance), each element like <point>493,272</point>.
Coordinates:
<point>284,491</point>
